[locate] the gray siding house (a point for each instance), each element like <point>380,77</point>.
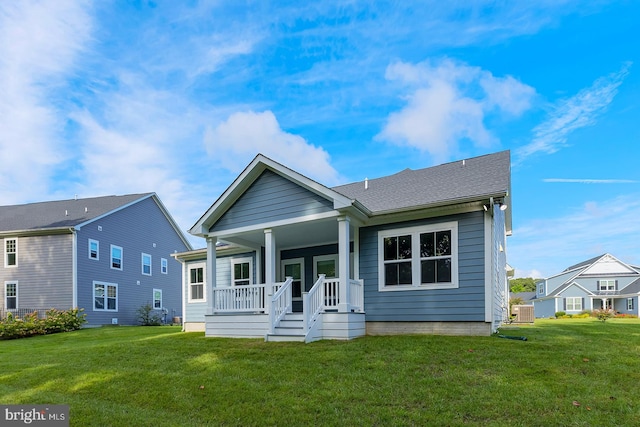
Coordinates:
<point>287,258</point>
<point>108,255</point>
<point>603,282</point>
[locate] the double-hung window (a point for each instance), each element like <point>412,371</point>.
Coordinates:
<point>94,249</point>
<point>164,266</point>
<point>157,299</point>
<point>423,257</point>
<point>116,257</point>
<point>10,252</point>
<point>146,264</point>
<point>574,303</point>
<point>630,304</point>
<point>11,295</point>
<point>105,296</point>
<point>607,285</point>
<point>196,283</point>
<point>242,271</point>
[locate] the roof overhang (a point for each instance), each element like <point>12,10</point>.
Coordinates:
<point>252,172</point>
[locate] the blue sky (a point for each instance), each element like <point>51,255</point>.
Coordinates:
<point>173,97</point>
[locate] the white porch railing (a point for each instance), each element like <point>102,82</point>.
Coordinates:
<point>331,295</point>
<point>245,298</point>
<point>280,303</point>
<point>313,303</point>
<point>356,295</point>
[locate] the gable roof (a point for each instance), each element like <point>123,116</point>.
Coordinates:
<point>475,179</point>
<point>61,215</point>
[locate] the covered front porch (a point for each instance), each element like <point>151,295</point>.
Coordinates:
<point>299,284</point>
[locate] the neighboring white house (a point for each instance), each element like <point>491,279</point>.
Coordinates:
<point>420,251</point>
<point>603,282</point>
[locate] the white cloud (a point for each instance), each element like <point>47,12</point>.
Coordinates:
<point>568,115</point>
<point>447,102</point>
<point>592,229</point>
<point>236,141</point>
<point>39,44</point>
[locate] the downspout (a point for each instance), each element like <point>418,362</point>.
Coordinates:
<point>74,268</point>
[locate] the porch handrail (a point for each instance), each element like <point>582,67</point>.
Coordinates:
<point>313,303</point>
<point>280,304</point>
<point>356,295</point>
<point>241,298</point>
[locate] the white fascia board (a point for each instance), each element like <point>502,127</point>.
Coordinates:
<point>259,164</point>
<point>590,293</point>
<point>82,224</point>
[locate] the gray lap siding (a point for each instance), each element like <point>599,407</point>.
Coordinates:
<point>135,229</point>
<point>272,198</point>
<point>465,303</point>
<point>44,272</point>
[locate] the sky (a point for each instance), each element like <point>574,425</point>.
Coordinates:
<point>176,98</point>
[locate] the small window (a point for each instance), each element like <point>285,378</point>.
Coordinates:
<point>606,285</point>
<point>11,252</point>
<point>630,304</point>
<point>541,289</point>
<point>157,298</point>
<point>146,264</point>
<point>105,296</point>
<point>11,295</point>
<point>94,249</point>
<point>196,283</point>
<point>116,257</point>
<point>164,266</point>
<point>242,271</point>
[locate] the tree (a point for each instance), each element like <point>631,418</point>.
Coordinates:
<point>522,284</point>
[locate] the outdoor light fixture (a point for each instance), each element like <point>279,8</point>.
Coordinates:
<point>503,207</point>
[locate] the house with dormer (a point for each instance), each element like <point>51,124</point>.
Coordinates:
<point>288,258</point>
<point>603,282</point>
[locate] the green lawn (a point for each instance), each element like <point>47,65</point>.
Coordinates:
<point>570,372</point>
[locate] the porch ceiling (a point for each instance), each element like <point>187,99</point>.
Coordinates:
<point>304,234</point>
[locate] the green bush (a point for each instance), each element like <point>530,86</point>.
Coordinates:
<point>147,316</point>
<point>30,325</point>
<point>560,314</point>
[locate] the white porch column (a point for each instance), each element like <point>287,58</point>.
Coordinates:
<point>210,273</point>
<point>343,264</point>
<point>269,266</point>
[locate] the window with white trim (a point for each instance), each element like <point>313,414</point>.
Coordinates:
<point>196,283</point>
<point>164,266</point>
<point>116,257</point>
<point>242,271</point>
<point>541,288</point>
<point>630,304</point>
<point>157,298</point>
<point>606,285</point>
<point>423,257</point>
<point>105,296</point>
<point>146,264</point>
<point>10,252</point>
<point>94,249</point>
<point>11,295</point>
<point>573,303</point>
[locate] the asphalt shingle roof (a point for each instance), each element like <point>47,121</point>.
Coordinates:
<point>60,213</point>
<point>450,182</point>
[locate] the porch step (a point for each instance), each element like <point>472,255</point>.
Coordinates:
<point>289,329</point>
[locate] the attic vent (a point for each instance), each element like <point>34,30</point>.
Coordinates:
<point>66,212</point>
<point>366,183</point>
<point>463,162</point>
<point>86,209</point>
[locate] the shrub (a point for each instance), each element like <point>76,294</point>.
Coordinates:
<point>147,316</point>
<point>30,325</point>
<point>560,314</point>
<point>603,314</point>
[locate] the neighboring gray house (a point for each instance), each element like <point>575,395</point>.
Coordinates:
<point>420,251</point>
<point>603,282</point>
<point>108,255</point>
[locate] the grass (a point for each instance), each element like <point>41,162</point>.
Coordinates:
<point>577,372</point>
